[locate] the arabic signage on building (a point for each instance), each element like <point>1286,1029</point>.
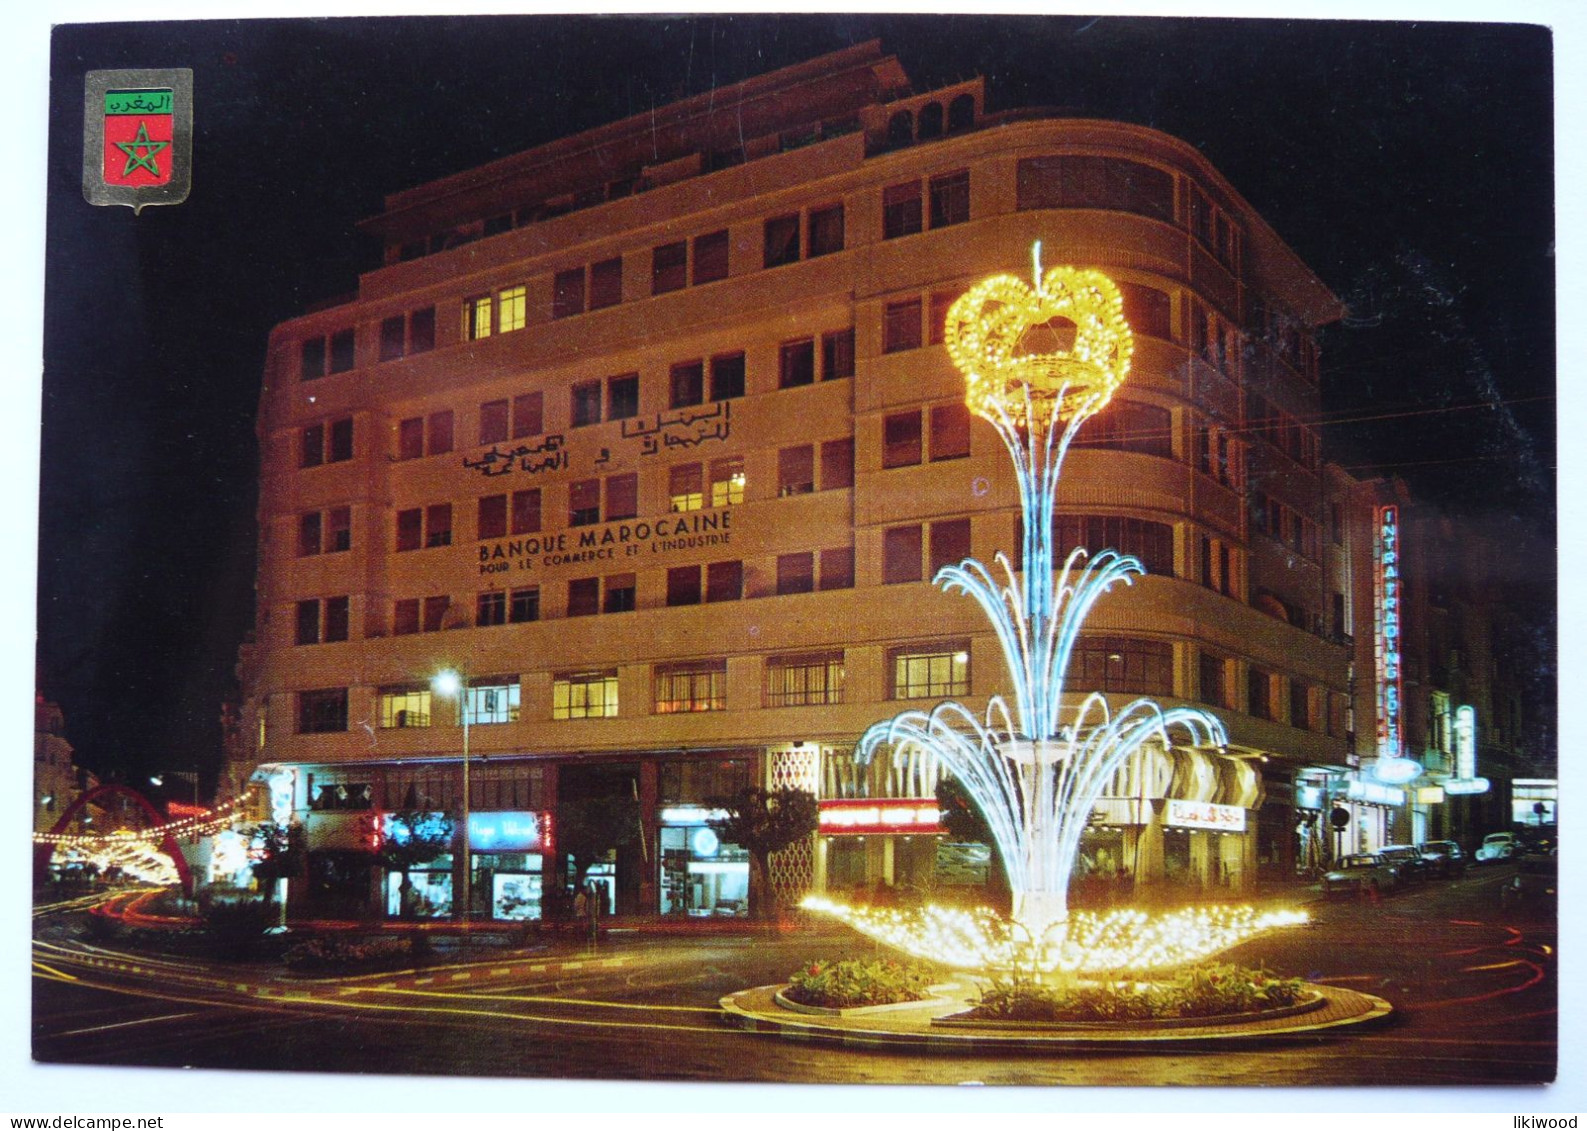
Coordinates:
<point>1386,627</point>
<point>1205,815</point>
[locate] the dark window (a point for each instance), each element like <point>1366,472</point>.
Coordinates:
<point>710,257</point>
<point>782,240</point>
<point>837,354</point>
<point>826,231</point>
<point>606,283</point>
<point>421,330</point>
<point>567,293</point>
<point>620,593</point>
<point>526,511</point>
<point>322,712</point>
<point>584,596</point>
<point>1123,664</point>
<point>341,441</point>
<point>308,534</point>
<point>435,612</point>
<point>669,267</point>
<point>683,585</point>
<point>796,363</point>
<point>1151,542</point>
<point>900,129</point>
<point>1299,704</point>
<point>493,417</point>
<point>796,573</point>
<point>950,431</point>
<point>1211,675</point>
<point>308,622</point>
<point>393,335</point>
<point>584,502</point>
<point>410,438</point>
<point>438,525</point>
<point>341,351</point>
<point>337,618</point>
<point>1259,692</point>
<point>622,496</point>
<point>727,376</point>
<point>901,439</point>
<point>837,464</point>
<point>312,361</point>
<point>586,403</point>
<point>440,432</point>
<point>901,213</point>
<point>796,473</point>
<point>688,384</point>
<point>837,568</point>
<point>950,198</point>
<point>937,317</point>
<point>950,543</point>
<point>312,450</point>
<point>1076,181</point>
<point>622,396</point>
<point>524,606</point>
<point>901,326</point>
<point>961,113</point>
<point>493,516</point>
<point>1147,310</point>
<point>528,415</point>
<point>410,529</point>
<point>930,121</point>
<point>491,609</point>
<point>686,487</point>
<point>901,551</point>
<point>340,534</point>
<point>724,581</point>
<point>1129,426</point>
<point>405,617</point>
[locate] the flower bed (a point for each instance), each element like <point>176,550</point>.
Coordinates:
<point>858,982</point>
<point>1200,992</point>
<point>334,955</point>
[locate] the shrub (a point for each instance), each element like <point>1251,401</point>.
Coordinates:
<point>1202,991</point>
<point>333,954</point>
<point>857,982</point>
<point>237,930</point>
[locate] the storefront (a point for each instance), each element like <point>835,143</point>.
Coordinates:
<point>1375,812</point>
<point>700,875</point>
<point>878,847</point>
<point>509,856</point>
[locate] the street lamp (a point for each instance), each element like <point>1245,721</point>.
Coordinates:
<point>454,683</point>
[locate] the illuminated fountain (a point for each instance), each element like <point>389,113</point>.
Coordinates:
<point>1035,768</point>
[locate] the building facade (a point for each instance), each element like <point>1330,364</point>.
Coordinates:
<point>649,433</point>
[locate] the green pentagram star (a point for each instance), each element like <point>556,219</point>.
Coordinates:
<point>144,160</point>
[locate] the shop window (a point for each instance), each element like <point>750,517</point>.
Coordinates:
<point>687,384</point>
<point>710,257</point>
<point>782,240</point>
<point>901,326</point>
<point>584,695</point>
<point>727,376</point>
<point>342,353</point>
<point>606,283</point>
<point>311,359</point>
<point>724,581</point>
<point>526,511</point>
<point>622,396</point>
<point>796,363</point>
<point>584,596</point>
<point>405,616</point>
<point>901,554</point>
<point>492,518</point>
<point>528,415</point>
<point>693,686</point>
<point>796,573</point>
<point>683,586</point>
<point>669,267</point>
<point>950,544</point>
<point>494,700</point>
<point>686,487</point>
<point>493,420</point>
<point>586,403</point>
<point>929,671</point>
<point>524,605</point>
<point>901,439</point>
<point>619,593</point>
<point>438,525</point>
<point>1123,664</point>
<point>950,198</point>
<point>950,431</point>
<point>810,679</point>
<point>837,464</point>
<point>476,318</point>
<point>404,707</point>
<point>826,231</point>
<point>837,568</point>
<point>727,481</point>
<point>901,210</point>
<point>837,354</point>
<point>567,293</point>
<point>490,609</point>
<point>622,496</point>
<point>322,711</point>
<point>510,309</point>
<point>796,470</point>
<point>584,502</point>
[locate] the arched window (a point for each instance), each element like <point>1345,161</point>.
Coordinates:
<point>961,113</point>
<point>930,120</point>
<point>901,128</point>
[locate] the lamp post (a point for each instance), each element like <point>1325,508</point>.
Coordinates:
<point>450,682</point>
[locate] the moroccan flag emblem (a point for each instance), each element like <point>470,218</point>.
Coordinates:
<point>137,137</point>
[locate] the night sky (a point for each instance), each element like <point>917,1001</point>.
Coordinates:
<point>1409,165</point>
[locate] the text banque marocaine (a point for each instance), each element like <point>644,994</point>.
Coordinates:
<point>605,543</point>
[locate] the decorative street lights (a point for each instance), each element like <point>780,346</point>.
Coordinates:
<point>454,683</point>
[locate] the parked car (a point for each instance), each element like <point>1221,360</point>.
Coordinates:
<point>1447,857</point>
<point>1536,880</point>
<point>1361,874</point>
<point>1408,862</point>
<point>1496,847</point>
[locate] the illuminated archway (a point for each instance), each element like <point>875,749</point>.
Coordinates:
<point>168,843</point>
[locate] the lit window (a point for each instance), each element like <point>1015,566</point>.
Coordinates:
<point>693,686</point>
<point>584,695</point>
<point>727,481</point>
<point>476,317</point>
<point>493,701</point>
<point>931,672</point>
<point>510,309</point>
<point>404,707</point>
<point>810,680</point>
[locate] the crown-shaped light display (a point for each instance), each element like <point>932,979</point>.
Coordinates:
<point>993,335</point>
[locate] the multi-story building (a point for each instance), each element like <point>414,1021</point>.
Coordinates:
<point>57,781</point>
<point>649,433</point>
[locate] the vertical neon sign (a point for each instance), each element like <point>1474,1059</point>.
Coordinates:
<point>1387,626</point>
<point>1465,743</point>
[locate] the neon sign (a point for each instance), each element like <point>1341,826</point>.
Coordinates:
<point>859,816</point>
<point>506,832</point>
<point>1387,626</point>
<point>1466,780</point>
